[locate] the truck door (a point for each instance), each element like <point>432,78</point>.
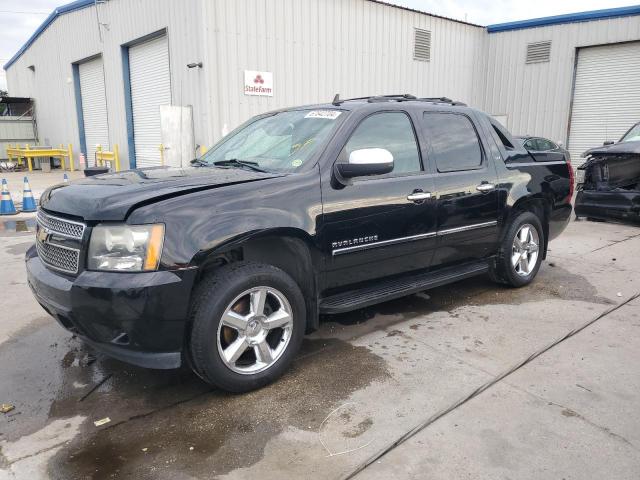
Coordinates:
<point>380,225</point>
<point>466,188</point>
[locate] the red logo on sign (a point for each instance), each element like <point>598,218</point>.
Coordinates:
<point>258,79</point>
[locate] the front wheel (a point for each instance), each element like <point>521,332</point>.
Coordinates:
<point>520,254</point>
<point>248,323</point>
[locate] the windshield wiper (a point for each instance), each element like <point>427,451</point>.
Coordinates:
<point>198,162</point>
<point>234,162</point>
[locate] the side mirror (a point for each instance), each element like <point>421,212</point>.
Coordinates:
<point>608,142</point>
<point>367,161</point>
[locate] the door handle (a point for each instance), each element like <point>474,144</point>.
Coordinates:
<point>419,196</point>
<point>485,187</point>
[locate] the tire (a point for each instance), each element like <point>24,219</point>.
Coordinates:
<point>255,342</point>
<point>504,270</point>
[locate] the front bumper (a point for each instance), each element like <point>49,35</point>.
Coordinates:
<point>616,204</point>
<point>139,318</point>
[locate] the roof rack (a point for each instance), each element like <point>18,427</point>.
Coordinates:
<point>404,97</point>
<point>392,98</point>
<point>443,100</point>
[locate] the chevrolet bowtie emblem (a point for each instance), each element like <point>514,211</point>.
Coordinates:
<point>42,234</point>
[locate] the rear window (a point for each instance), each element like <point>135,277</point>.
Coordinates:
<point>454,142</point>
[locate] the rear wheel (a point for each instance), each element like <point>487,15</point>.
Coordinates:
<point>248,323</point>
<point>520,254</point>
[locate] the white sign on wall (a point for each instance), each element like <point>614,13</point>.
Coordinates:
<point>258,83</point>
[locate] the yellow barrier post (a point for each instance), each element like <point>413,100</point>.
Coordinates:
<point>116,154</point>
<point>26,147</point>
<point>203,150</point>
<point>70,154</point>
<point>162,155</point>
<point>99,159</point>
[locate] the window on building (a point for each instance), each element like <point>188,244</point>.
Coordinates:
<point>454,141</point>
<point>392,131</point>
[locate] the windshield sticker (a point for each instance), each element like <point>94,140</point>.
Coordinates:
<point>326,114</point>
<point>296,163</point>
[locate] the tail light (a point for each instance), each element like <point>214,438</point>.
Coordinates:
<point>571,181</point>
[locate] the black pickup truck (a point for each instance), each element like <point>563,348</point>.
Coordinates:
<point>301,212</point>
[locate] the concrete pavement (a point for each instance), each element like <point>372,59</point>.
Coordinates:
<point>361,382</point>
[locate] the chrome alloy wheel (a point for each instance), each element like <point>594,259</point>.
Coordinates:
<point>255,330</point>
<point>526,246</point>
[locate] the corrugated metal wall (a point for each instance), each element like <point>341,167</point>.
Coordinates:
<point>15,130</point>
<point>317,48</point>
<point>537,96</point>
<point>74,36</point>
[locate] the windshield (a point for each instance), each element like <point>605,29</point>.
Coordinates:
<point>281,142</point>
<point>632,135</point>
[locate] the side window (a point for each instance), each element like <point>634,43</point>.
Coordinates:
<point>531,144</point>
<point>454,141</point>
<point>392,131</point>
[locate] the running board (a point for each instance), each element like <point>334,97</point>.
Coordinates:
<point>387,290</point>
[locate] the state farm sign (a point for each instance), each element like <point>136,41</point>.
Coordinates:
<point>258,83</point>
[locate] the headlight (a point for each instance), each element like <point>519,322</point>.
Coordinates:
<point>131,248</point>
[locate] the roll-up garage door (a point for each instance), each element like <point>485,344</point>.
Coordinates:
<point>606,100</point>
<point>150,88</point>
<point>94,107</point>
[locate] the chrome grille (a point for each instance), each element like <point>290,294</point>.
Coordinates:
<point>61,226</point>
<point>58,257</point>
<point>58,241</point>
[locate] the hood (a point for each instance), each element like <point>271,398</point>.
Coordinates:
<point>110,197</point>
<point>622,148</point>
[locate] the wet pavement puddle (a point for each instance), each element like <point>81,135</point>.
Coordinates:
<point>171,420</point>
<point>10,227</point>
<point>210,428</point>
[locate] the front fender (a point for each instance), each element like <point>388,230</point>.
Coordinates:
<point>214,220</point>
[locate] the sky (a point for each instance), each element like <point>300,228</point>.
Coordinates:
<point>20,18</point>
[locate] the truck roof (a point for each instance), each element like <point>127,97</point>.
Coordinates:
<point>352,104</point>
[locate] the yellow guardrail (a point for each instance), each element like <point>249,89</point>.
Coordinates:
<point>29,154</point>
<point>104,156</point>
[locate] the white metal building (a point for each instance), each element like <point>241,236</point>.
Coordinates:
<point>146,73</point>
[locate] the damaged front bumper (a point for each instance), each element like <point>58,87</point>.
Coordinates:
<point>619,204</point>
<point>138,318</point>
<point>609,187</point>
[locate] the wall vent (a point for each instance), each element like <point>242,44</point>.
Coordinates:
<point>538,52</point>
<point>422,45</point>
